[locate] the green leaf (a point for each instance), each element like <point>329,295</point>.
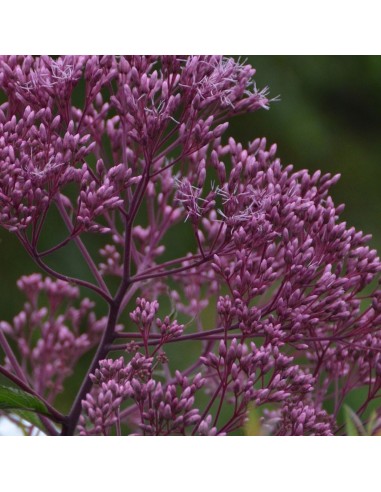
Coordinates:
<point>353,424</point>
<point>16,399</point>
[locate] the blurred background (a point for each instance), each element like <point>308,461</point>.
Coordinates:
<point>328,118</point>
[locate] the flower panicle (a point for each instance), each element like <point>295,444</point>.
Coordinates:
<point>272,301</point>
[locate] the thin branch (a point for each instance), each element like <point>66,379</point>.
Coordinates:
<point>76,281</point>
<point>56,247</point>
<point>11,356</point>
<point>86,255</point>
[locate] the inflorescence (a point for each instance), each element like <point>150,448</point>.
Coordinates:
<point>272,307</point>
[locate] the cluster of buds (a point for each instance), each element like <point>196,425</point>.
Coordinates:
<point>161,410</point>
<point>113,382</point>
<point>52,332</point>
